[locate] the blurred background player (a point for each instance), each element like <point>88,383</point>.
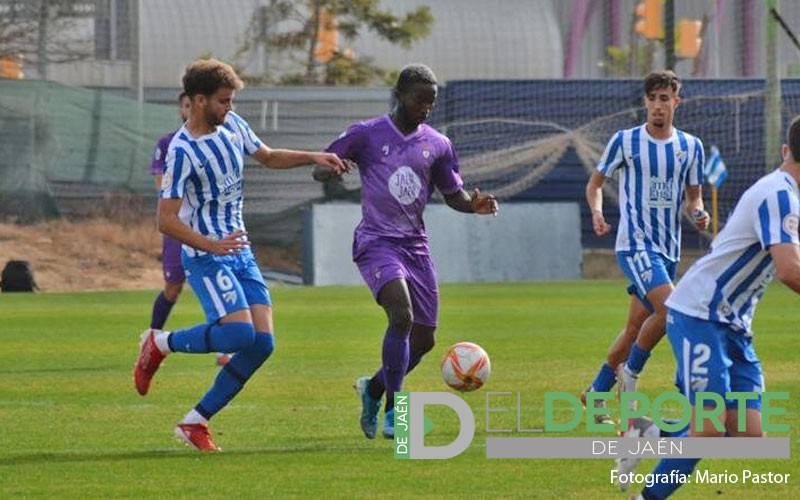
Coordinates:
<point>174,277</point>
<point>400,161</point>
<point>204,166</point>
<point>657,162</point>
<point>711,310</point>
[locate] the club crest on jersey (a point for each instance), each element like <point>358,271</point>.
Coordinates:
<point>680,155</point>
<point>385,150</point>
<point>405,185</point>
<point>790,224</point>
<point>426,154</point>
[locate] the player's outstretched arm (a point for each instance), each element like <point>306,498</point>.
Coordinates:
<point>594,197</point>
<point>287,158</point>
<point>171,225</point>
<point>476,203</point>
<point>786,257</point>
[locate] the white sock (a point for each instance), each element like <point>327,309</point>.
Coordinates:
<point>161,342</point>
<point>194,418</point>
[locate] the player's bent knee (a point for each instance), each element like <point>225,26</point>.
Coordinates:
<point>264,344</point>
<point>236,336</point>
<point>401,319</point>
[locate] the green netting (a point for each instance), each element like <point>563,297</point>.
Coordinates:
<point>52,134</point>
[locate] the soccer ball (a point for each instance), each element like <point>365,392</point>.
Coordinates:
<point>466,367</point>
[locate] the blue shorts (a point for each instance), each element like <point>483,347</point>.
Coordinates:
<point>225,284</point>
<point>712,357</point>
<point>646,271</point>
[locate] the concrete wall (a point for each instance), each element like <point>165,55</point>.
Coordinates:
<point>527,241</point>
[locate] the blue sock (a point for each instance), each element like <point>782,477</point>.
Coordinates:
<point>215,337</point>
<point>605,380</point>
<point>660,491</point>
<point>637,358</point>
<point>232,376</point>
<point>675,434</point>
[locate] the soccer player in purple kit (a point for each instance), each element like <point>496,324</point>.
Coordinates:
<point>174,277</point>
<point>204,169</point>
<point>401,160</point>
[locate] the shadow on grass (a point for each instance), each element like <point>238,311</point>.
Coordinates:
<point>61,370</point>
<point>160,454</point>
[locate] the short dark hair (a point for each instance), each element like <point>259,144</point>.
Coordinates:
<point>414,73</point>
<point>662,80</point>
<point>206,76</point>
<point>181,96</point>
<point>793,138</point>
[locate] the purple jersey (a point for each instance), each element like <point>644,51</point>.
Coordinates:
<point>160,154</point>
<point>398,174</point>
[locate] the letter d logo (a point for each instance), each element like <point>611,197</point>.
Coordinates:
<point>415,438</point>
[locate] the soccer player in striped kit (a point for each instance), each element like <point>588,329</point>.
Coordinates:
<point>710,313</point>
<point>657,164</point>
<point>174,277</point>
<point>204,168</point>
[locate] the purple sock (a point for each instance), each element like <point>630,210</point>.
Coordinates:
<point>395,362</point>
<point>161,309</point>
<point>376,385</point>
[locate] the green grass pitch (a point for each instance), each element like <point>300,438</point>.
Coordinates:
<point>72,425</point>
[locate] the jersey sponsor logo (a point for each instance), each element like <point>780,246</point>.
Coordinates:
<point>790,224</point>
<point>157,154</point>
<point>166,181</point>
<point>405,185</point>
<point>231,184</point>
<point>660,193</point>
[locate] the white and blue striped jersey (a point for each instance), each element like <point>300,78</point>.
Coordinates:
<point>725,285</point>
<point>207,173</point>
<point>653,174</point>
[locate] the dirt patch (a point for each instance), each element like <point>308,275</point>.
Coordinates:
<point>99,254</point>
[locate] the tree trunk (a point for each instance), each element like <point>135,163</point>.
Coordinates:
<point>312,48</point>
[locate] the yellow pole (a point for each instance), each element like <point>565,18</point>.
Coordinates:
<point>714,212</point>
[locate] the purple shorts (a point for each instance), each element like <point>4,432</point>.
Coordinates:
<point>171,260</point>
<point>381,261</point>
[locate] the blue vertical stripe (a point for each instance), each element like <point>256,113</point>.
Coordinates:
<point>749,279</point>
<point>613,151</point>
<point>177,173</point>
<point>223,167</point>
<point>700,154</point>
<point>785,209</point>
<point>198,191</point>
<point>726,276</point>
<point>235,158</point>
<point>763,219</point>
<point>672,237</point>
<point>638,185</point>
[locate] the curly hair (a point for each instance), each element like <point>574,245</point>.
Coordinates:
<point>206,76</point>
